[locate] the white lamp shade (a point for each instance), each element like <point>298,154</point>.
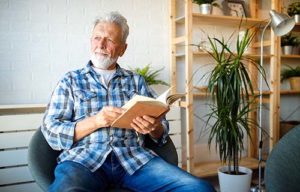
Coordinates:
<point>281,23</point>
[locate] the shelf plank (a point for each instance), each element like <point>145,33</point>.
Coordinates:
<point>202,53</point>
<point>297,27</point>
<point>290,92</point>
<point>211,168</point>
<point>290,56</point>
<point>221,20</point>
<point>264,93</point>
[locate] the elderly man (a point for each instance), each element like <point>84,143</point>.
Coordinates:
<point>78,118</point>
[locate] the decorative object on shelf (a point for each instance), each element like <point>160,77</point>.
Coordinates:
<point>232,97</point>
<point>150,75</point>
<point>205,6</point>
<point>281,24</point>
<point>235,8</point>
<point>294,11</point>
<point>289,43</point>
<point>293,75</point>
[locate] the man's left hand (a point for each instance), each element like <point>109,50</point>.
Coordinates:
<point>147,124</point>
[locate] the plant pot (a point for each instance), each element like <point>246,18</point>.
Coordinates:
<point>297,18</point>
<point>287,50</point>
<point>295,83</point>
<point>235,183</point>
<point>205,9</point>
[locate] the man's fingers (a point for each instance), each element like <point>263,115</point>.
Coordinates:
<point>149,119</point>
<point>114,109</point>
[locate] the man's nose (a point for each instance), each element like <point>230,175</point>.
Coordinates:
<point>102,43</point>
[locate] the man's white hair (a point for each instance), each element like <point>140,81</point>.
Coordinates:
<point>116,18</point>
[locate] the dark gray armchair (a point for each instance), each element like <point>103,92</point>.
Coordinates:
<point>42,158</point>
<point>282,172</point>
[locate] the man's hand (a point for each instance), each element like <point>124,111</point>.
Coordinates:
<point>103,118</point>
<point>107,115</point>
<point>147,124</point>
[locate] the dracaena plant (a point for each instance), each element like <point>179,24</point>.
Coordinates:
<point>232,94</point>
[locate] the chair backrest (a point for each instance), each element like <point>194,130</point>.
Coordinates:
<point>282,172</point>
<point>42,158</point>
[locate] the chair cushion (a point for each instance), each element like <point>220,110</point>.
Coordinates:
<point>282,166</point>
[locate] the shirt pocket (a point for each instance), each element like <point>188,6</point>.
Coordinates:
<point>85,95</point>
<point>86,103</point>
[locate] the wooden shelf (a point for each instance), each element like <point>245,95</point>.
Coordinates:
<point>246,55</point>
<point>211,168</point>
<point>220,20</point>
<point>297,27</point>
<point>264,93</point>
<point>184,22</point>
<point>289,92</point>
<point>290,56</point>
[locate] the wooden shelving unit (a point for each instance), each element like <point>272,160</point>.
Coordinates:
<point>186,19</point>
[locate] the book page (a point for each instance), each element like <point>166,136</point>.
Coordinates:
<point>163,97</point>
<point>135,99</point>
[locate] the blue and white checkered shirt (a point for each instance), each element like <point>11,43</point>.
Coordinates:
<point>80,94</point>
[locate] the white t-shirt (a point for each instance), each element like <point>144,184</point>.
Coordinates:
<point>105,75</point>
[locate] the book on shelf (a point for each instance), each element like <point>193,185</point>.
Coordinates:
<point>140,105</point>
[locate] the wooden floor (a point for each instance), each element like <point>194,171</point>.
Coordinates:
<point>210,169</point>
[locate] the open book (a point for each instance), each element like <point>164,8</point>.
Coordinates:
<point>142,105</point>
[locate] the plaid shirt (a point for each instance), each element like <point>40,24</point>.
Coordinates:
<point>80,94</point>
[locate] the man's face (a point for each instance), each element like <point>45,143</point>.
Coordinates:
<point>106,41</point>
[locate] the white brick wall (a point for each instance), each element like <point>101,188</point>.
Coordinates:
<point>40,40</point>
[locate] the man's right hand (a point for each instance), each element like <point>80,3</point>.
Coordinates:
<point>107,115</point>
<point>103,118</point>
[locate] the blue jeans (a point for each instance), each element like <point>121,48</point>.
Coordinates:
<point>156,175</point>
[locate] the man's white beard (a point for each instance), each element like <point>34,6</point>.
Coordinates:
<point>102,62</point>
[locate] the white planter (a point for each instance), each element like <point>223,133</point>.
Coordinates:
<point>205,9</point>
<point>297,18</point>
<point>235,183</point>
<point>287,50</point>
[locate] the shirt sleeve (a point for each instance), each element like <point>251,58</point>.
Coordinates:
<point>144,89</point>
<point>58,126</point>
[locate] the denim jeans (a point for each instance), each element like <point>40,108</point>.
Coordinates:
<point>156,175</point>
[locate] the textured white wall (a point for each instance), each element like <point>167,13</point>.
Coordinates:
<point>40,40</point>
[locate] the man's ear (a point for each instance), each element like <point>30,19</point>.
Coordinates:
<point>123,49</point>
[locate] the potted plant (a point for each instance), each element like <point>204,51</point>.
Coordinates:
<point>294,11</point>
<point>232,97</point>
<point>205,6</point>
<point>293,75</point>
<point>288,43</point>
<point>150,75</point>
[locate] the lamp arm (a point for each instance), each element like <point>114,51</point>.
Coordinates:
<point>260,104</point>
<point>261,77</point>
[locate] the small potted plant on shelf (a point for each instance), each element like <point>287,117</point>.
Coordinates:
<point>293,75</point>
<point>205,6</point>
<point>294,11</point>
<point>150,75</point>
<point>233,97</point>
<point>289,44</point>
